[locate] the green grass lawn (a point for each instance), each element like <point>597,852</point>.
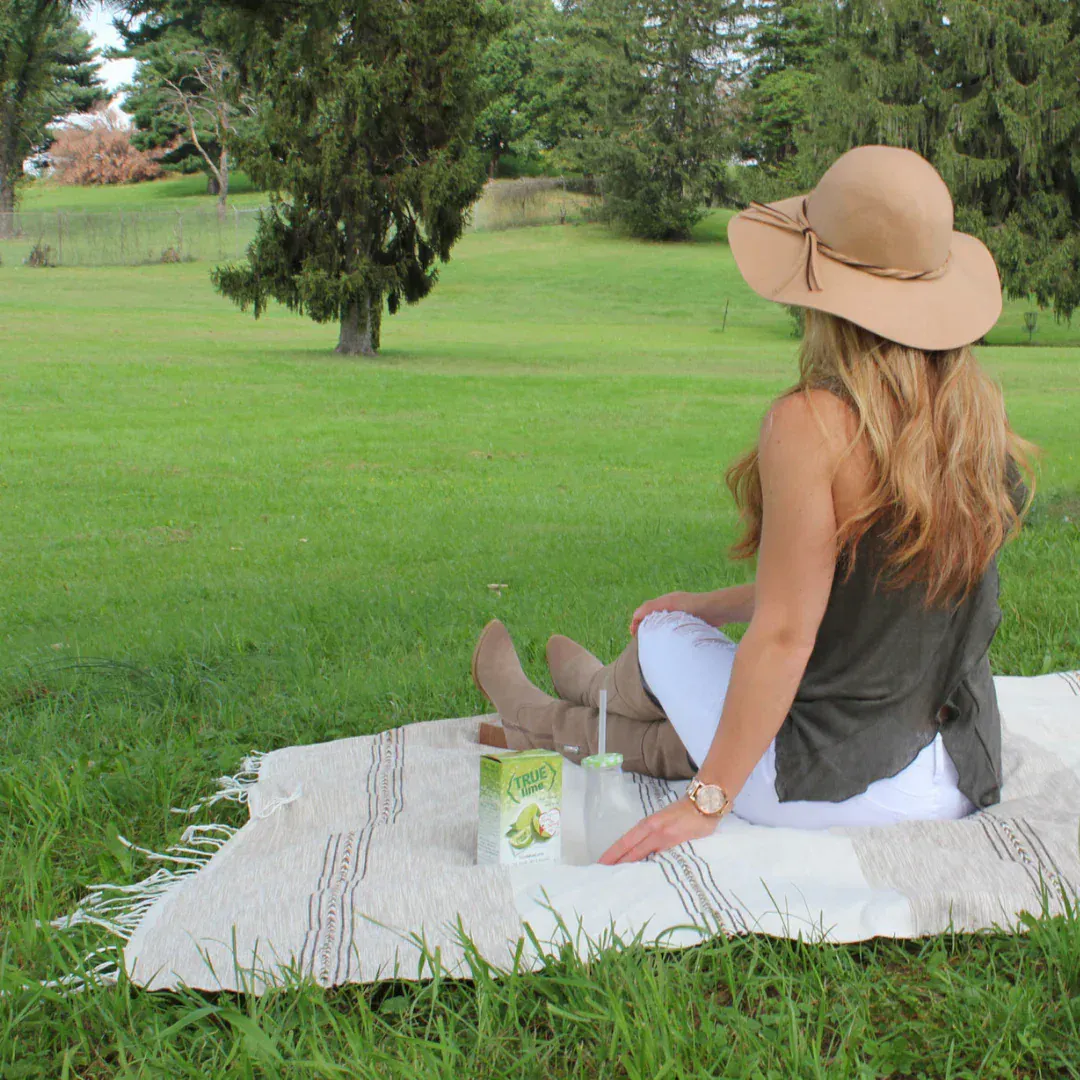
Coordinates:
<point>218,536</point>
<point>172,191</point>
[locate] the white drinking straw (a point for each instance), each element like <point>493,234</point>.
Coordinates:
<point>603,721</point>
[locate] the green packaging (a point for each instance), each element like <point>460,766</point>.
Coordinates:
<point>520,808</point>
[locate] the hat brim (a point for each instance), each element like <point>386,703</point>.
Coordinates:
<point>955,309</point>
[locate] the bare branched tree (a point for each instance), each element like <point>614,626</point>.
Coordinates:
<point>208,103</point>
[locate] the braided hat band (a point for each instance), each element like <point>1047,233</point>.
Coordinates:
<point>813,246</point>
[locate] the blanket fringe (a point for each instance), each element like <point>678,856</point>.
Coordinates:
<point>233,788</point>
<point>119,909</point>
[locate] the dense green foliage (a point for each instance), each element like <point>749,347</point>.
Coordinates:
<point>988,91</point>
<point>364,137</point>
<point>782,49</point>
<point>578,44</point>
<point>655,100</point>
<point>220,538</point>
<point>508,85</point>
<point>666,130</point>
<point>653,107</point>
<point>47,70</point>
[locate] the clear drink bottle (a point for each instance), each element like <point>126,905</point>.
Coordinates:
<point>609,809</point>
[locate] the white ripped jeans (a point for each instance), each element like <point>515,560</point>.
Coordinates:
<point>686,664</point>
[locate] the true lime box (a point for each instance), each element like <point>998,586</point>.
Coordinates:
<point>520,807</point>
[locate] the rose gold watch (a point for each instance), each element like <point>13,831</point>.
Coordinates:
<point>709,799</point>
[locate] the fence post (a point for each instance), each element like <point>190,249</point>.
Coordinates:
<point>59,238</point>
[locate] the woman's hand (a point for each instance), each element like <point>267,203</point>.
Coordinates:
<point>675,601</point>
<point>675,824</point>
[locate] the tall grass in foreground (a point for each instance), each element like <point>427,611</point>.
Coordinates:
<point>941,1007</point>
<point>217,537</point>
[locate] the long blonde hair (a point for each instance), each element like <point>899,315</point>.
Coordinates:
<point>941,449</point>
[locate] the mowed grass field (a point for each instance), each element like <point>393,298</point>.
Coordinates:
<point>171,192</point>
<point>218,536</point>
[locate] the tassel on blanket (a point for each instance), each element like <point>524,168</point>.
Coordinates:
<point>118,909</point>
<point>233,788</point>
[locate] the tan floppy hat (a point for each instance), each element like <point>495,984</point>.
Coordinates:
<point>873,243</point>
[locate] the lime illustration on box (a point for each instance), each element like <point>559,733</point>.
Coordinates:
<point>520,807</point>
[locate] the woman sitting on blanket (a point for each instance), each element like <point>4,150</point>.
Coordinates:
<point>881,489</point>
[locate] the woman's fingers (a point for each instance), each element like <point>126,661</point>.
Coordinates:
<point>625,843</point>
<point>653,842</point>
<point>668,602</point>
<point>643,611</point>
<point>643,839</point>
<point>673,825</point>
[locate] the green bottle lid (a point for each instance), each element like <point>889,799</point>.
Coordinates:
<point>602,761</point>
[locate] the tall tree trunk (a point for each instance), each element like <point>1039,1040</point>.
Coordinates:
<point>360,328</point>
<point>7,197</point>
<point>223,181</point>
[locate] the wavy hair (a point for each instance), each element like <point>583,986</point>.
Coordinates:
<point>946,464</point>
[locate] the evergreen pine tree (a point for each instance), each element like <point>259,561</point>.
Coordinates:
<point>579,51</point>
<point>48,69</point>
<point>783,43</point>
<point>365,140</point>
<point>658,107</point>
<point>987,90</point>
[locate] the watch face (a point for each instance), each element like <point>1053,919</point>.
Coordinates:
<point>710,798</point>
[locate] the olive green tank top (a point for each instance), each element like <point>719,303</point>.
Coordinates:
<point>886,675</point>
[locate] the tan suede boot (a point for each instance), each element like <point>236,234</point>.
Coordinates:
<point>652,747</point>
<point>579,677</point>
<point>527,713</point>
<point>535,720</point>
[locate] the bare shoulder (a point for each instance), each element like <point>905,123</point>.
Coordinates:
<point>812,422</point>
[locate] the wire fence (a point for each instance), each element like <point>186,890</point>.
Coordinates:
<point>139,237</point>
<point>126,237</point>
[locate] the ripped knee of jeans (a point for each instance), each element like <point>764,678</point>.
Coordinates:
<point>686,625</point>
<point>676,621</point>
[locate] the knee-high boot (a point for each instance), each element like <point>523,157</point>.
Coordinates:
<point>579,677</point>
<point>652,747</point>
<point>533,719</point>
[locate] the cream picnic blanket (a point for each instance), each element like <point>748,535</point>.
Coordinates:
<point>358,863</point>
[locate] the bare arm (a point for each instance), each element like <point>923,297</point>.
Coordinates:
<point>719,607</point>
<point>723,606</point>
<point>796,563</point>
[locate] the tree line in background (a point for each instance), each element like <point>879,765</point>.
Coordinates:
<point>374,125</point>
